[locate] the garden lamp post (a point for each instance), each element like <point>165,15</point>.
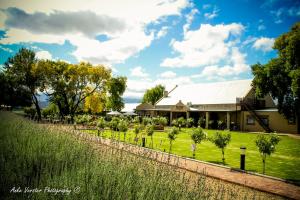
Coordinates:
<point>243,157</point>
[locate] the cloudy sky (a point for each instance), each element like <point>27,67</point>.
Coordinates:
<point>150,41</point>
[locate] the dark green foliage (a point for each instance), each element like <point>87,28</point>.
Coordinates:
<point>280,77</point>
<point>152,95</point>
<point>116,88</point>
<point>190,122</point>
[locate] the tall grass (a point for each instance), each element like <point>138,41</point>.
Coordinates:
<point>38,157</point>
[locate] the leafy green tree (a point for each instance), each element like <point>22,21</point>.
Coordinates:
<point>123,127</point>
<point>22,69</point>
<point>266,146</point>
<point>198,135</point>
<point>221,140</point>
<point>173,132</point>
<point>149,129</point>
<point>13,94</point>
<point>68,85</point>
<point>147,120</point>
<point>116,88</point>
<point>50,111</point>
<point>180,122</point>
<point>280,77</point>
<point>154,94</point>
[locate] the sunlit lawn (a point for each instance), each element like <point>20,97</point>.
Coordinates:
<point>284,163</point>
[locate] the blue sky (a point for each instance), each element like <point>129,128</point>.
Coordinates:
<point>151,42</point>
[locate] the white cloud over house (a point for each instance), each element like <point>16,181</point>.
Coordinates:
<point>79,23</point>
<point>138,72</point>
<point>264,44</point>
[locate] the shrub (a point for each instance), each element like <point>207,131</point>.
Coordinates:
<point>30,111</point>
<point>101,123</point>
<point>123,127</point>
<point>50,111</point>
<point>147,120</point>
<point>189,122</point>
<point>201,122</point>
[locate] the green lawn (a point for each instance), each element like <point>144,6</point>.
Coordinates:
<point>284,163</point>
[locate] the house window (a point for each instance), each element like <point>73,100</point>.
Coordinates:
<point>292,121</point>
<point>250,120</point>
<point>265,120</point>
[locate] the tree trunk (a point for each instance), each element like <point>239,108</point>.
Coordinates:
<point>124,136</point>
<point>37,107</point>
<point>223,157</point>
<point>264,163</point>
<point>152,141</point>
<point>170,150</point>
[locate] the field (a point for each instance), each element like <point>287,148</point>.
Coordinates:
<point>39,157</point>
<point>284,163</point>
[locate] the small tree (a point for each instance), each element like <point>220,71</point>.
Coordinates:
<point>113,125</point>
<point>101,123</point>
<point>149,129</point>
<point>221,140</point>
<point>266,146</point>
<point>147,120</point>
<point>172,136</point>
<point>197,136</point>
<point>137,128</point>
<point>189,122</point>
<point>181,122</point>
<point>163,121</point>
<point>123,127</point>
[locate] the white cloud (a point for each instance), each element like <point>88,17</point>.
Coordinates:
<point>138,72</point>
<point>168,74</point>
<point>122,42</point>
<point>189,19</point>
<point>264,44</point>
<point>208,45</point>
<point>43,55</point>
<point>235,66</point>
<point>206,6</point>
<point>213,14</point>
<point>162,32</point>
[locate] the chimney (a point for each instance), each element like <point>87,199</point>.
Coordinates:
<point>166,93</point>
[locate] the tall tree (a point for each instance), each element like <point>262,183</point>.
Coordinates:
<point>281,76</point>
<point>23,70</point>
<point>68,85</point>
<point>116,88</point>
<point>154,94</point>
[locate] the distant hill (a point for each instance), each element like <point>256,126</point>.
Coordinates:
<point>132,100</point>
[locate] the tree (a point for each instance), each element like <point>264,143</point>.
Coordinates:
<point>95,103</point>
<point>221,140</point>
<point>136,129</point>
<point>23,70</point>
<point>116,88</point>
<point>123,127</point>
<point>173,132</point>
<point>149,129</point>
<point>101,123</point>
<point>266,146</point>
<point>197,136</point>
<point>13,94</point>
<point>280,77</point>
<point>113,125</point>
<point>181,122</point>
<point>201,122</point>
<point>154,94</point>
<point>68,85</point>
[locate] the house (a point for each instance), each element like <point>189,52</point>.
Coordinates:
<point>231,104</point>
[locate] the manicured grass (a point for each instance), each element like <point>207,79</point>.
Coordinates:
<point>37,157</point>
<point>284,163</point>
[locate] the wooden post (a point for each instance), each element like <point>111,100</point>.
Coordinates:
<point>206,119</point>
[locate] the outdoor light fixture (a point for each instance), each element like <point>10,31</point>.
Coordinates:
<point>243,157</point>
